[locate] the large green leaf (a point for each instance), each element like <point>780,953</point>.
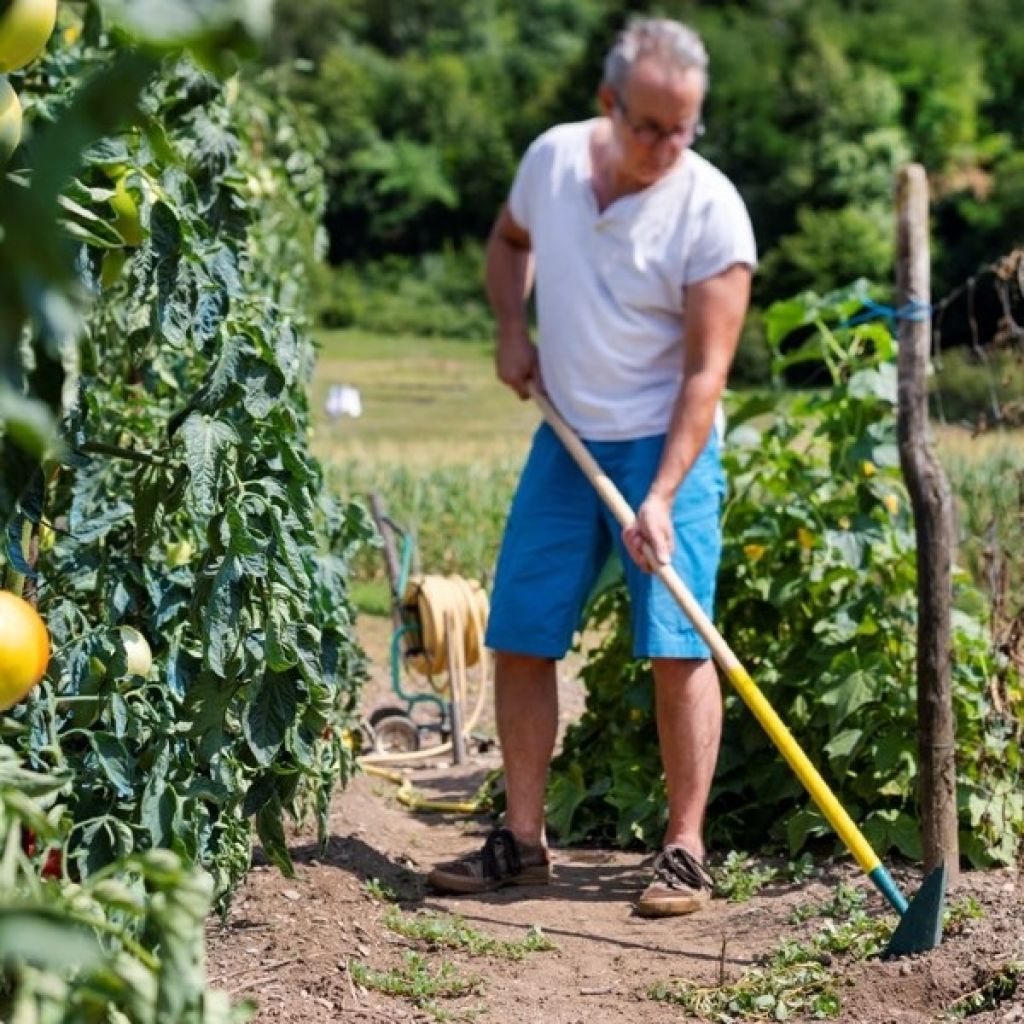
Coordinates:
<point>269,713</point>
<point>208,444</point>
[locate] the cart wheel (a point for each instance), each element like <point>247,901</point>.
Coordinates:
<point>395,733</point>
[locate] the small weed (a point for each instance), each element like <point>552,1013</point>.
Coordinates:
<point>997,988</point>
<point>443,932</point>
<point>801,869</point>
<point>846,901</point>
<point>794,979</point>
<point>378,891</point>
<point>739,879</point>
<point>959,913</point>
<point>416,981</point>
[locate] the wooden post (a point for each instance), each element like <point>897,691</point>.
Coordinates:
<point>933,522</point>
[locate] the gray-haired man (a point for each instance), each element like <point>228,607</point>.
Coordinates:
<point>642,254</point>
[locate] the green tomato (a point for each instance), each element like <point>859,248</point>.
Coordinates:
<point>126,219</point>
<point>24,29</point>
<point>137,655</point>
<point>110,270</point>
<point>10,120</point>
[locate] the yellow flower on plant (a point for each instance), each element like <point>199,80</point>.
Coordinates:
<point>844,522</point>
<point>754,551</point>
<point>868,468</point>
<point>892,503</point>
<point>804,538</point>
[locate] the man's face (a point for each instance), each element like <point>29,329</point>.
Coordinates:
<point>654,118</point>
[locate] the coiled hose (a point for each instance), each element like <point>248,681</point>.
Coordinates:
<point>451,613</point>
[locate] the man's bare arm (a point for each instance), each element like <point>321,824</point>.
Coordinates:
<point>509,281</point>
<point>713,318</point>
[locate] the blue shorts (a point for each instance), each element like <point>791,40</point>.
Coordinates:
<point>559,535</point>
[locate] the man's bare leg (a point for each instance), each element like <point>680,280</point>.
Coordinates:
<point>526,700</point>
<point>526,705</point>
<point>689,712</point>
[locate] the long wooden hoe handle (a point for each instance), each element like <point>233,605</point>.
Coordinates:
<point>730,665</point>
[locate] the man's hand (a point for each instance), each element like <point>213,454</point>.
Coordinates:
<point>652,529</point>
<point>516,359</point>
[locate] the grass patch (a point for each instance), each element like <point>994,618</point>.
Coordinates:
<point>440,931</point>
<point>986,474</point>
<point>418,982</point>
<point>371,597</point>
<point>795,978</point>
<point>421,398</point>
<point>453,514</point>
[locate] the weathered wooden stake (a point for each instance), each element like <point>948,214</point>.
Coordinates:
<point>933,521</point>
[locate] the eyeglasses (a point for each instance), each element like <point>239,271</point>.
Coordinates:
<point>650,134</point>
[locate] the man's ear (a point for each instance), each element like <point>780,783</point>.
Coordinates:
<point>606,99</point>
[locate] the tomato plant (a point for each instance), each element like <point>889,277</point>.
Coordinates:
<point>190,508</point>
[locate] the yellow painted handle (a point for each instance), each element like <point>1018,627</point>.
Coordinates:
<point>748,690</point>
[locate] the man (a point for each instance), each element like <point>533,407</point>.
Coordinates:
<point>642,254</point>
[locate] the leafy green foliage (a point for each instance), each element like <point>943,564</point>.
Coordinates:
<point>1000,986</point>
<point>70,950</point>
<point>428,106</point>
<point>739,878</point>
<point>186,420</point>
<point>817,598</point>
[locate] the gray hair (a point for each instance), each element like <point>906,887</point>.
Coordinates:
<point>669,41</point>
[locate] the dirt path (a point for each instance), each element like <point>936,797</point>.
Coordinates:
<point>298,945</point>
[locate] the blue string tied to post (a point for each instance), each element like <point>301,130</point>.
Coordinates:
<point>914,310</point>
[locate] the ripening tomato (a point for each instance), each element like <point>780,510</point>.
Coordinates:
<point>24,648</point>
<point>10,120</point>
<point>24,28</point>
<point>137,655</point>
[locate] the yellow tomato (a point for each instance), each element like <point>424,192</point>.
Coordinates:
<point>24,29</point>
<point>24,648</point>
<point>10,120</point>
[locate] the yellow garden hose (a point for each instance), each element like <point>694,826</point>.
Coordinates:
<point>408,796</point>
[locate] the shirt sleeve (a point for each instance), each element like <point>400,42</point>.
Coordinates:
<point>725,236</point>
<point>523,194</point>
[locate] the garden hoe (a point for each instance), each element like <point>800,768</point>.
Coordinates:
<point>920,925</point>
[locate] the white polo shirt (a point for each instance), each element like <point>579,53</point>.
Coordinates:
<point>609,286</point>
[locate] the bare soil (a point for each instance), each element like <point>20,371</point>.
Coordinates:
<point>290,944</point>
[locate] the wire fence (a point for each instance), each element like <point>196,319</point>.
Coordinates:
<point>987,313</point>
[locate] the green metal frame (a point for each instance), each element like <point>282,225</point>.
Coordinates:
<point>397,653</point>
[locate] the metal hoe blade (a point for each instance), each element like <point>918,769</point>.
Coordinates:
<point>920,927</point>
